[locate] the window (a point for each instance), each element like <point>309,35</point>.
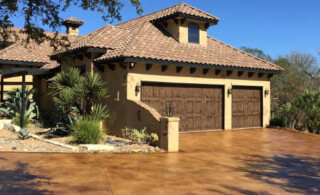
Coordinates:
<point>193,31</point>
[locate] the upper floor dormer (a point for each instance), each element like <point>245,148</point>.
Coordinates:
<point>186,24</point>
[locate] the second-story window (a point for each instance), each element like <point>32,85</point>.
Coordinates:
<point>193,33</point>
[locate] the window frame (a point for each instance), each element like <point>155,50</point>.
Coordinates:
<point>194,39</point>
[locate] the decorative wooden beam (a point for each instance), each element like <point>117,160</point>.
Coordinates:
<point>206,26</point>
<point>123,65</point>
<point>100,68</point>
<point>179,68</point>
<point>148,66</point>
<point>182,21</point>
<point>164,68</point>
<point>270,75</point>
<point>192,70</point>
<point>260,75</point>
<point>88,55</point>
<point>80,57</point>
<point>229,72</point>
<point>111,66</point>
<point>218,72</point>
<point>165,24</point>
<point>240,73</point>
<point>250,74</point>
<point>205,70</point>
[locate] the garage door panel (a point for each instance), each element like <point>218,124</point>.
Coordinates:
<point>200,107</point>
<point>246,107</point>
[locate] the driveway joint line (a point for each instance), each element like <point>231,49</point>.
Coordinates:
<point>105,173</point>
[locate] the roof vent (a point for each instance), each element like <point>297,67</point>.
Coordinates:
<point>72,24</point>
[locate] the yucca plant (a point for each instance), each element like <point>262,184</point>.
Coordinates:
<point>70,89</point>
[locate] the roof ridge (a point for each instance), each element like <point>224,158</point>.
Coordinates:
<point>250,55</point>
<point>185,4</point>
<point>132,39</point>
<point>141,17</point>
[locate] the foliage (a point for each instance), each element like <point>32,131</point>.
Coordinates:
<point>86,132</point>
<point>17,118</point>
<point>99,113</point>
<point>277,122</point>
<point>23,134</point>
<point>70,88</point>
<point>139,136</point>
<point>46,14</point>
<point>257,52</point>
<point>304,109</point>
<point>13,106</point>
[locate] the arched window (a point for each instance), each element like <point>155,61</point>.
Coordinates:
<point>193,31</point>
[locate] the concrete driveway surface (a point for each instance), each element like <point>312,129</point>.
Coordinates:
<point>257,161</point>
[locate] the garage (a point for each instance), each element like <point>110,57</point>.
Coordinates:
<point>246,107</point>
<point>200,107</point>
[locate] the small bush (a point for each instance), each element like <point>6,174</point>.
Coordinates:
<point>86,132</point>
<point>277,122</point>
<point>16,120</point>
<point>139,136</point>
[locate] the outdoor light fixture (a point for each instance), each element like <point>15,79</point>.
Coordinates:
<point>266,92</point>
<point>138,87</point>
<point>132,64</point>
<point>170,110</point>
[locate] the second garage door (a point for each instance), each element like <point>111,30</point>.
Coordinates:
<point>200,107</point>
<point>246,107</point>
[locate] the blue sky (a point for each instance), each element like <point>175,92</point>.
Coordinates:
<point>278,27</point>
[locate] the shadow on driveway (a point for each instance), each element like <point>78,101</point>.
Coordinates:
<point>18,181</point>
<point>294,174</point>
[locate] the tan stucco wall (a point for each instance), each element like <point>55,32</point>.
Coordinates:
<point>180,31</point>
<point>139,74</point>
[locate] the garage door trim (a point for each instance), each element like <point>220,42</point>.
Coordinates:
<point>261,103</point>
<point>222,87</point>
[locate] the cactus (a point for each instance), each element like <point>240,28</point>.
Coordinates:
<point>13,105</point>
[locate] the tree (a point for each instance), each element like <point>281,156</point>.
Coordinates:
<point>306,63</point>
<point>257,52</point>
<point>47,13</point>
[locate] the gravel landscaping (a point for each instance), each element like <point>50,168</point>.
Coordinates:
<point>9,142</point>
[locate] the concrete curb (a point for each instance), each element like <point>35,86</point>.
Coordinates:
<point>16,129</point>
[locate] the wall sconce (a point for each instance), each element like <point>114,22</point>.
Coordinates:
<point>138,87</point>
<point>266,92</point>
<point>230,91</point>
<point>170,110</point>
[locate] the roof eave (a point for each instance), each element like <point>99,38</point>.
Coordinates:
<point>80,49</point>
<point>26,63</point>
<point>186,16</point>
<point>199,65</point>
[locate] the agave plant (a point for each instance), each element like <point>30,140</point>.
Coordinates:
<point>23,134</point>
<point>13,105</point>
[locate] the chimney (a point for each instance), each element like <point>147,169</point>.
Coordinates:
<point>72,24</point>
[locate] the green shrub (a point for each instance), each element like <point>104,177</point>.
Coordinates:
<point>16,120</point>
<point>139,136</point>
<point>86,132</point>
<point>277,122</point>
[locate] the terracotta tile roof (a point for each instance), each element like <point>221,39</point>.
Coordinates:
<point>105,37</point>
<point>147,41</point>
<point>32,52</point>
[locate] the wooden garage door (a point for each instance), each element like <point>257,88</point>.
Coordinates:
<point>200,107</point>
<point>246,107</point>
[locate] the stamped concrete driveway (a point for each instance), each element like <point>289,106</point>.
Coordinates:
<point>260,161</point>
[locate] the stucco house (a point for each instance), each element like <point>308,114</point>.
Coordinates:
<point>164,63</point>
